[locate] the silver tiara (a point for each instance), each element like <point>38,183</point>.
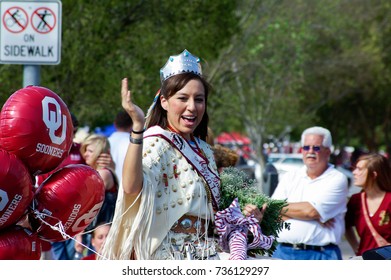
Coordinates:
<point>182,63</point>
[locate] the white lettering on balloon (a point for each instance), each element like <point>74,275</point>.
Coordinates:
<point>3,199</point>
<point>11,207</point>
<point>52,119</point>
<point>87,218</point>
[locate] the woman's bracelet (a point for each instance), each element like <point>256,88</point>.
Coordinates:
<point>135,141</point>
<point>138,132</point>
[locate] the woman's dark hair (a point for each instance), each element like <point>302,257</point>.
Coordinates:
<point>171,86</point>
<point>379,164</point>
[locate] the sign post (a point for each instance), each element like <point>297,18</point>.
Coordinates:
<point>30,35</point>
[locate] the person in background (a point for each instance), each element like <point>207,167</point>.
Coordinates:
<point>98,238</point>
<point>75,157</point>
<point>368,223</point>
<point>68,249</point>
<point>316,195</point>
<point>91,148</point>
<point>170,182</point>
<point>119,140</point>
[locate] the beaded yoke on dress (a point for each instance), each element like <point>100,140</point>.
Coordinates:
<point>171,189</point>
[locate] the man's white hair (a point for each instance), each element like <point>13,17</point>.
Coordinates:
<point>317,130</point>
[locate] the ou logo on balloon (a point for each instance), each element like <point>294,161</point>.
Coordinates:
<point>87,218</point>
<point>53,120</point>
<point>3,199</point>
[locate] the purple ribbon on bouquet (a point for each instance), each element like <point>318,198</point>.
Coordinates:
<point>232,227</point>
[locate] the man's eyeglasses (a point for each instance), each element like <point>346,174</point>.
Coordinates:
<point>314,148</point>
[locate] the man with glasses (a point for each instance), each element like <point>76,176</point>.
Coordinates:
<point>316,196</point>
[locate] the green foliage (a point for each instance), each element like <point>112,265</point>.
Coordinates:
<point>236,184</point>
<point>105,41</point>
<point>272,63</point>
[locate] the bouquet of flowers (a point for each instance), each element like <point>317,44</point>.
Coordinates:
<point>235,184</point>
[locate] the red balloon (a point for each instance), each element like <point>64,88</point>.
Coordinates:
<point>71,197</point>
<point>16,189</point>
<point>18,243</point>
<point>36,126</point>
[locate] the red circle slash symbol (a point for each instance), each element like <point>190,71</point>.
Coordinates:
<point>43,20</point>
<point>15,19</point>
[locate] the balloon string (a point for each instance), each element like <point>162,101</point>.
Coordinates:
<point>60,228</point>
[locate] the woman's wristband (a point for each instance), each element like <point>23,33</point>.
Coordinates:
<point>138,132</point>
<point>135,140</point>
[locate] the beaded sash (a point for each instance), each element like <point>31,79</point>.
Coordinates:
<point>195,158</point>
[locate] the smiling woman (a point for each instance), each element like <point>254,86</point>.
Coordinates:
<point>170,183</point>
<point>186,108</point>
<point>169,166</point>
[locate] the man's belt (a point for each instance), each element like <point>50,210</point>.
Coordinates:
<point>301,246</point>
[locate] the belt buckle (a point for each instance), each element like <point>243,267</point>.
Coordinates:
<point>297,246</point>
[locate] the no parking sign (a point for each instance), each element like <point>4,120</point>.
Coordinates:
<point>30,32</point>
